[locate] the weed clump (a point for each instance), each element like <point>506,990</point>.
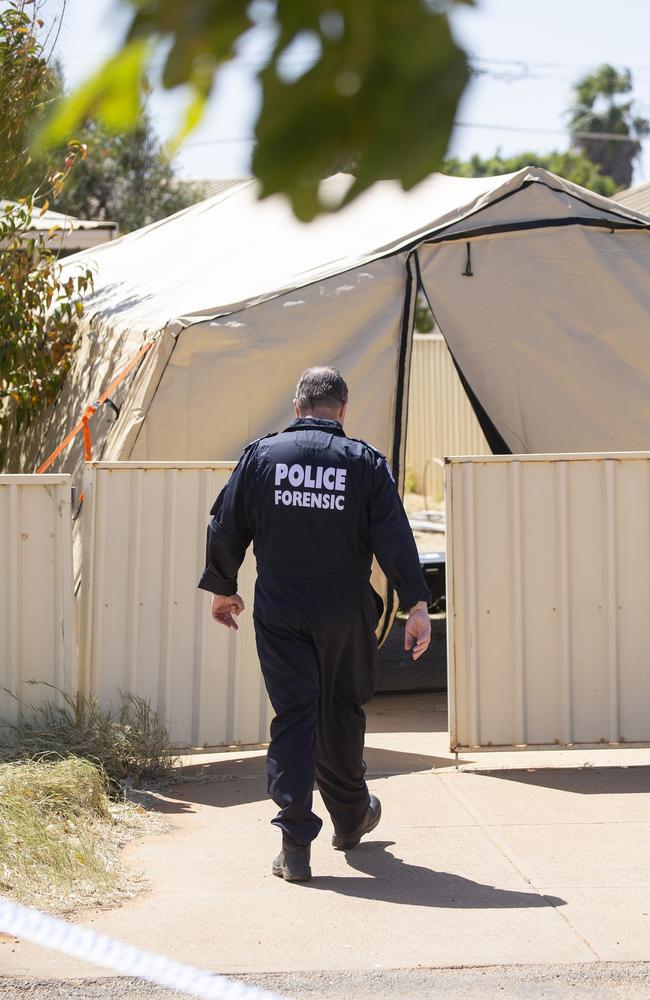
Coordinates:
<point>130,746</point>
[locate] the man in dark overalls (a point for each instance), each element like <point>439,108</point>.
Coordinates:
<point>317,505</point>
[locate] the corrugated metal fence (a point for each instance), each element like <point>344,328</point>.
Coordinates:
<point>548,591</point>
<point>441,421</point>
<point>37,635</point>
<point>146,629</point>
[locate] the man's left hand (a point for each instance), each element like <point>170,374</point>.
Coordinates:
<point>223,609</point>
<point>417,632</point>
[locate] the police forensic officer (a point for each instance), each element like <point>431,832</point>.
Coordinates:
<point>317,505</point>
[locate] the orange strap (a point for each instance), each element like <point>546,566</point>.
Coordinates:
<point>88,444</point>
<point>88,412</point>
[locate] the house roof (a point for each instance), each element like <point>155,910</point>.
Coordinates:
<point>637,198</point>
<point>66,232</point>
<point>208,187</point>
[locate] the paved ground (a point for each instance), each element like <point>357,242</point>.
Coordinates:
<point>599,981</point>
<point>532,867</point>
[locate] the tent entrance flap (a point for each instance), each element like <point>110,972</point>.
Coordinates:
<point>497,445</point>
<point>547,332</point>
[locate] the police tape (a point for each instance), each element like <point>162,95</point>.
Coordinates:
<point>108,952</point>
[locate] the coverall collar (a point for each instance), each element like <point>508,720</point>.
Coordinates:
<point>320,423</point>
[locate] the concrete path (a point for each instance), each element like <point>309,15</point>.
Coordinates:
<point>511,867</point>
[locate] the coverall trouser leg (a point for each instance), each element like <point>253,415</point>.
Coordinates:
<point>318,653</point>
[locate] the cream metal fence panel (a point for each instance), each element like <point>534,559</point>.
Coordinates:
<point>441,421</point>
<point>37,622</point>
<point>146,629</point>
<point>548,590</point>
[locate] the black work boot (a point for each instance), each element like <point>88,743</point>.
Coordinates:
<point>292,863</point>
<point>346,841</point>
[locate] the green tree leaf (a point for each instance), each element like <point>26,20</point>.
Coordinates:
<point>114,95</point>
<point>382,92</point>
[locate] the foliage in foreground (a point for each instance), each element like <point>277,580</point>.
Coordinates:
<point>380,86</point>
<point>60,835</point>
<point>131,745</point>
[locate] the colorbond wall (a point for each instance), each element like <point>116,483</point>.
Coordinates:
<point>37,632</point>
<point>147,629</point>
<point>441,421</point>
<point>548,597</point>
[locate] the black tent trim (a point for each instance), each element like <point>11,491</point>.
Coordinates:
<point>576,220</point>
<point>515,227</point>
<point>411,286</point>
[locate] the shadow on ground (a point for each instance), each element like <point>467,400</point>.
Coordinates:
<point>240,780</point>
<point>395,881</point>
<point>634,780</point>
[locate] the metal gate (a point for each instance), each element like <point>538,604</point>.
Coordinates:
<point>146,629</point>
<point>548,600</point>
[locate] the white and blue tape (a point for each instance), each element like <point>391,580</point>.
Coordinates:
<point>126,959</point>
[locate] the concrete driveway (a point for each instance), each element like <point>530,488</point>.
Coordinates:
<point>545,865</point>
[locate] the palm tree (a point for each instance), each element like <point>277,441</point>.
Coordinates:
<point>597,108</point>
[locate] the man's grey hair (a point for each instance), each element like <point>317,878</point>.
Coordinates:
<point>323,386</point>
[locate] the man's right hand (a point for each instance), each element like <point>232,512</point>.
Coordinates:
<point>223,609</point>
<point>417,633</point>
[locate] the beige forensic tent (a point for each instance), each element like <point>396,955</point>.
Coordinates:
<point>540,288</point>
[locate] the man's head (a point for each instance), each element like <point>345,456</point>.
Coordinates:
<point>321,392</point>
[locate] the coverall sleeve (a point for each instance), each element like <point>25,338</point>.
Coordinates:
<point>392,540</point>
<point>230,531</point>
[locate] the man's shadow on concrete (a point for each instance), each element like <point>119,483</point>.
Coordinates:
<point>395,881</point>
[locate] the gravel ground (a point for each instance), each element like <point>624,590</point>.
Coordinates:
<point>597,981</point>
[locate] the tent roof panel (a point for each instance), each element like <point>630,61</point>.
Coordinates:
<point>232,249</point>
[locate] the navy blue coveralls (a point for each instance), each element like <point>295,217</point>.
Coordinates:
<point>316,505</point>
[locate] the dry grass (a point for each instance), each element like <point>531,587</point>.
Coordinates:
<point>66,768</point>
<point>60,835</point>
<point>130,744</point>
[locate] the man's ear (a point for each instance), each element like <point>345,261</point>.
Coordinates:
<point>297,411</point>
<point>342,412</point>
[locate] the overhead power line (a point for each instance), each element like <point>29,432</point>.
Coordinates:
<point>602,136</point>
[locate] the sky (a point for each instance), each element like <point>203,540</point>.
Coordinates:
<point>528,54</point>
